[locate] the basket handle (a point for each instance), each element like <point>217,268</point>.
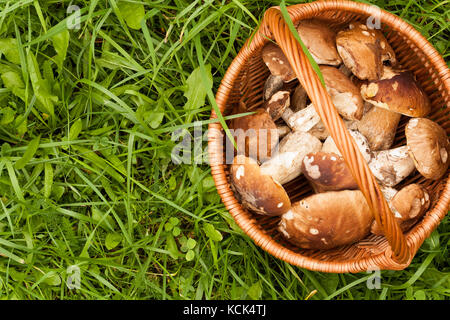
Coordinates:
<point>309,79</point>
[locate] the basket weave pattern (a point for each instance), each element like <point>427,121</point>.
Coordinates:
<point>244,80</point>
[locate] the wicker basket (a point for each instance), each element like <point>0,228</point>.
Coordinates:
<point>245,78</point>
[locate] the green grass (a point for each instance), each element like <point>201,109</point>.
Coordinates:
<point>86,176</point>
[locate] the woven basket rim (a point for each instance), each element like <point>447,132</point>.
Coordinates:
<point>382,260</point>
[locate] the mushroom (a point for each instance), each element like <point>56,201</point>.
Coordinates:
<point>277,62</point>
<point>408,205</point>
<point>298,98</point>
<point>379,126</point>
<point>363,51</point>
<point>256,134</point>
<point>320,40</point>
<point>277,104</point>
<point>390,167</point>
<point>272,85</point>
<point>303,120</point>
<point>283,131</point>
<point>286,164</point>
<point>327,220</point>
<point>360,140</point>
<point>428,146</point>
<point>258,192</point>
<point>327,172</point>
<point>397,91</point>
<point>344,94</point>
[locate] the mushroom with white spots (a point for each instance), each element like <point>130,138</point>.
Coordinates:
<point>277,104</point>
<point>327,172</point>
<point>364,50</point>
<point>277,62</point>
<point>258,192</point>
<point>428,146</point>
<point>327,220</point>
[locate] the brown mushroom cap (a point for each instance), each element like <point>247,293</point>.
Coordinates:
<point>298,98</point>
<point>327,220</point>
<point>345,95</point>
<point>428,146</point>
<point>408,206</point>
<point>397,91</point>
<point>320,41</point>
<point>379,126</point>
<point>256,134</point>
<point>387,54</point>
<point>360,52</point>
<point>277,104</point>
<point>277,62</point>
<point>328,172</point>
<point>272,85</point>
<point>363,51</point>
<point>258,192</point>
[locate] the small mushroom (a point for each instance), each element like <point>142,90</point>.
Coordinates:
<point>363,51</point>
<point>286,164</point>
<point>390,167</point>
<point>283,131</point>
<point>256,134</point>
<point>320,40</point>
<point>258,192</point>
<point>277,104</point>
<point>379,126</point>
<point>360,140</point>
<point>327,220</point>
<point>428,146</point>
<point>408,205</point>
<point>298,98</point>
<point>272,85</point>
<point>327,172</point>
<point>303,120</point>
<point>397,91</point>
<point>344,94</point>
<point>277,62</point>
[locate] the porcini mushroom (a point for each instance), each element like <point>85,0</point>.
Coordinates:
<point>259,192</point>
<point>286,164</point>
<point>277,104</point>
<point>256,134</point>
<point>408,205</point>
<point>327,220</point>
<point>397,91</point>
<point>298,98</point>
<point>379,126</point>
<point>277,62</point>
<point>344,94</point>
<point>327,172</point>
<point>361,142</point>
<point>363,51</point>
<point>391,166</point>
<point>320,40</point>
<point>272,85</point>
<point>428,146</point>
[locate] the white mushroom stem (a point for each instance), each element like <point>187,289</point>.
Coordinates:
<point>303,120</point>
<point>390,167</point>
<point>389,193</point>
<point>283,131</point>
<point>286,164</point>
